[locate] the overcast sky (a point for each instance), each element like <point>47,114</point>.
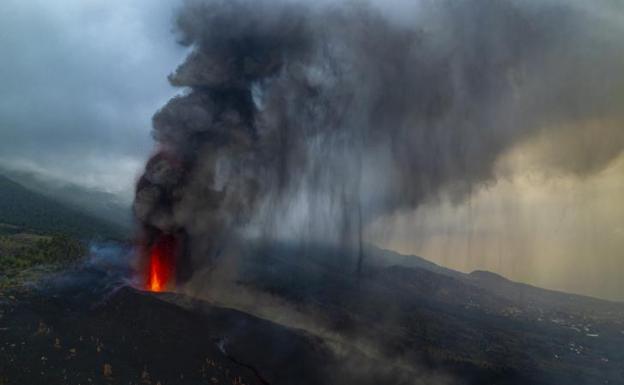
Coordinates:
<point>80,81</point>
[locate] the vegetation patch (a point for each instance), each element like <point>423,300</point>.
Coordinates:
<point>24,256</point>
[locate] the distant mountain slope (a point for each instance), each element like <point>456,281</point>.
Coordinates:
<point>376,256</point>
<point>22,207</point>
<point>495,283</point>
<point>99,204</point>
<point>474,325</point>
<point>521,292</point>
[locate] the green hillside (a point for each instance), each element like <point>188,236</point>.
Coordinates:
<point>32,211</point>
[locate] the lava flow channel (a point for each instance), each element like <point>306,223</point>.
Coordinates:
<point>161,264</point>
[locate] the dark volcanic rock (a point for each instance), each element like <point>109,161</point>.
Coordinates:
<point>391,325</point>
<point>133,337</point>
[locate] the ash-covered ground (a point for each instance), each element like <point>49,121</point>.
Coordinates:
<point>282,322</point>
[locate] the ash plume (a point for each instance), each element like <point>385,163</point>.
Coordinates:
<point>314,120</point>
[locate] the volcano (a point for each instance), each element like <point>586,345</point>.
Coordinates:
<point>278,325</point>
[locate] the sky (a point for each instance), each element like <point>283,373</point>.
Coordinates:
<point>82,79</point>
<point>563,232</point>
<point>80,82</point>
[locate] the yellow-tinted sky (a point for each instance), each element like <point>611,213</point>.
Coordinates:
<point>537,223</point>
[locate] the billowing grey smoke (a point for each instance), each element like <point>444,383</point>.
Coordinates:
<point>317,119</point>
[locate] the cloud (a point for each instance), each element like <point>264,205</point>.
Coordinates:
<point>312,122</point>
<point>79,84</point>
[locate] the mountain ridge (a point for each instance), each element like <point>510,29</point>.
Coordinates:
<point>481,277</point>
<point>97,203</point>
<point>32,211</point>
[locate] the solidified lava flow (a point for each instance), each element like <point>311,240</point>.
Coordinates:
<point>160,267</point>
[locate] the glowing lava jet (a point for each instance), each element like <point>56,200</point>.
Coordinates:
<point>162,243</point>
<point>161,261</point>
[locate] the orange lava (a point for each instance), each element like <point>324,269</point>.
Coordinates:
<point>161,263</point>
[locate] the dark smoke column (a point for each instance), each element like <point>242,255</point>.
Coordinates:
<point>204,179</point>
<point>316,120</point>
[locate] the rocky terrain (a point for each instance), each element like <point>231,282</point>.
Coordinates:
<point>305,321</point>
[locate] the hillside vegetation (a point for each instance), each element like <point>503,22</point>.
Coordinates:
<point>25,256</point>
<point>29,210</point>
